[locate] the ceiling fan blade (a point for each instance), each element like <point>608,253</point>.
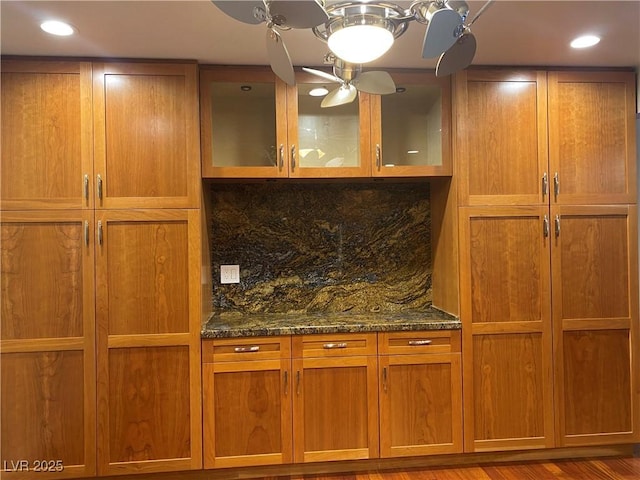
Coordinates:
<point>279,57</point>
<point>321,74</point>
<point>252,12</point>
<point>297,13</point>
<point>341,95</point>
<point>458,57</point>
<point>376,82</point>
<point>481,11</point>
<point>442,31</point>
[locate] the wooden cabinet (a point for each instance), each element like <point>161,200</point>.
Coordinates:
<point>247,401</point>
<point>147,275</point>
<point>85,138</point>
<point>335,397</point>
<point>47,149</point>
<point>146,135</point>
<point>48,373</point>
<point>255,126</point>
<point>594,268</point>
<point>506,309</point>
<point>411,129</point>
<point>562,216</point>
<point>420,393</point>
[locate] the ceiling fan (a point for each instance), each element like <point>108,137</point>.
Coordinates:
<point>352,80</point>
<point>345,25</point>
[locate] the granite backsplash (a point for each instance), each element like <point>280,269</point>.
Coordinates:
<point>321,248</point>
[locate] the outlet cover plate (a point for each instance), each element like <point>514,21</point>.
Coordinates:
<point>229,273</point>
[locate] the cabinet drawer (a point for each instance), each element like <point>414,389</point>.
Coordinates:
<point>334,345</point>
<point>426,341</point>
<point>245,348</point>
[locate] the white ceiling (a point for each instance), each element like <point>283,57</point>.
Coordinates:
<point>510,32</point>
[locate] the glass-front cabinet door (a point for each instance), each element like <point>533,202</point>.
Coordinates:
<point>243,122</point>
<point>327,142</point>
<point>411,129</point>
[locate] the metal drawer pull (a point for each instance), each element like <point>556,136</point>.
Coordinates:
<point>293,157</point>
<point>556,185</point>
<point>545,185</point>
<point>378,156</point>
<point>417,343</point>
<point>253,348</point>
<point>86,233</point>
<point>298,382</point>
<point>557,222</point>
<point>329,346</point>
<point>545,226</point>
<point>286,381</point>
<point>384,378</point>
<point>99,182</point>
<point>281,159</point>
<point>99,232</point>
<point>85,187</point>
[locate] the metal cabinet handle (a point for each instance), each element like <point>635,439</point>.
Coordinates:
<point>556,185</point>
<point>99,185</point>
<point>86,232</point>
<point>384,379</point>
<point>286,381</point>
<point>329,346</point>
<point>545,226</point>
<point>293,157</point>
<point>378,156</point>
<point>298,382</point>
<point>415,343</point>
<point>545,185</point>
<point>557,222</point>
<point>281,157</point>
<point>85,187</point>
<point>99,232</point>
<point>252,348</point>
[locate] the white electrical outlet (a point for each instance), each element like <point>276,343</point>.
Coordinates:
<point>229,273</point>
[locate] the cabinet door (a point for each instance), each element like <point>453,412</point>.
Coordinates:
<point>595,316</point>
<point>244,123</point>
<point>501,137</point>
<point>592,142</point>
<point>420,394</point>
<point>247,402</point>
<point>148,314</point>
<point>46,135</point>
<point>505,310</point>
<point>335,397</point>
<point>411,129</point>
<point>48,343</point>
<point>327,142</point>
<point>146,135</point>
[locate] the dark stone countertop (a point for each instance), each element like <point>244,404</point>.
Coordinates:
<point>238,325</point>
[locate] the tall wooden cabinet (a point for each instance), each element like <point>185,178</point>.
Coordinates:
<point>548,260</point>
<point>94,292</point>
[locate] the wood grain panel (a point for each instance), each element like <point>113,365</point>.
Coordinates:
<point>597,382</point>
<point>47,275</point>
<point>501,137</point>
<point>592,137</point>
<point>43,407</point>
<point>146,135</point>
<point>248,413</point>
<point>148,276</point>
<point>148,404</point>
<point>509,387</point>
<point>592,264</point>
<point>46,145</point>
<point>509,267</point>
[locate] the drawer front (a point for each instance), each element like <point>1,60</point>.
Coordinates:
<point>245,348</point>
<point>418,342</point>
<point>334,345</point>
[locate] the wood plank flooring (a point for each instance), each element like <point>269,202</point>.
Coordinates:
<point>626,468</point>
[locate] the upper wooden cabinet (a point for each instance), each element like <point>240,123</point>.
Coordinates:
<point>146,143</point>
<point>255,126</point>
<point>411,129</point>
<point>532,137</point>
<point>47,151</point>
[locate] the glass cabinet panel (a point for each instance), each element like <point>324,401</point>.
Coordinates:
<point>327,137</point>
<point>412,126</point>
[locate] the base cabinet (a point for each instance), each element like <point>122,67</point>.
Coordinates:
<point>420,394</point>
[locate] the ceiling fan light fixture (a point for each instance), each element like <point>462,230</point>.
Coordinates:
<point>585,41</point>
<point>58,28</point>
<point>360,43</point>
<point>318,92</point>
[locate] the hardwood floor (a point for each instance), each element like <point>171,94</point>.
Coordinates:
<point>627,468</point>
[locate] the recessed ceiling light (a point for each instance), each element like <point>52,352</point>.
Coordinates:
<point>318,92</point>
<point>585,41</point>
<point>55,27</point>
